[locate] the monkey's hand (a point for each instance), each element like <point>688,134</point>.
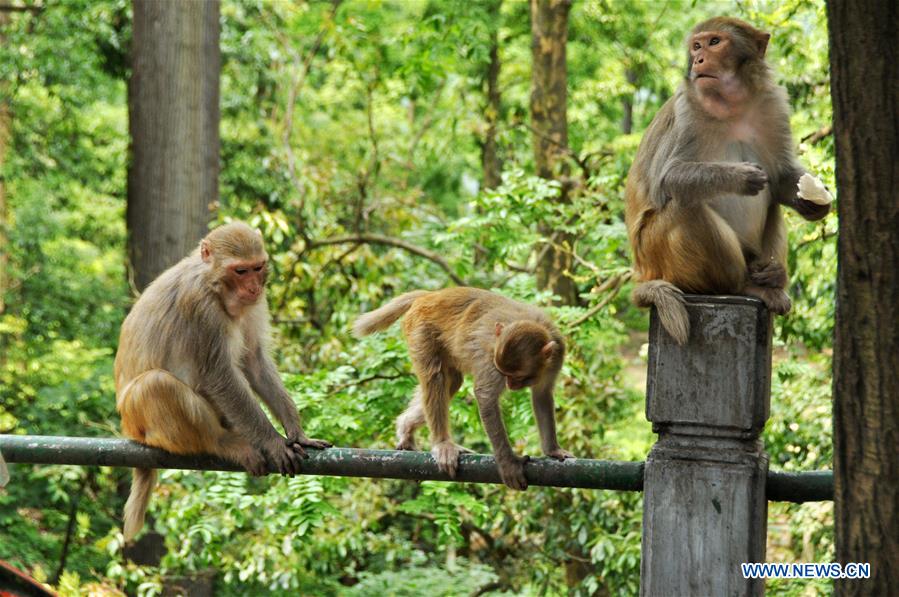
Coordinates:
<point>511,471</point>
<point>299,440</point>
<point>284,456</point>
<point>813,199</point>
<point>750,178</point>
<point>768,274</point>
<point>253,460</point>
<point>812,189</point>
<point>559,454</point>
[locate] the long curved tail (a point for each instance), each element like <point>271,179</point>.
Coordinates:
<point>382,317</point>
<point>669,302</point>
<point>136,507</point>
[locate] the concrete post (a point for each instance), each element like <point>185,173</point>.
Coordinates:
<point>705,510</point>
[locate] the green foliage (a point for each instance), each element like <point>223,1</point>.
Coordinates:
<point>462,578</point>
<point>371,118</point>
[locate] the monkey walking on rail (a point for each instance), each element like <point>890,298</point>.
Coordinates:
<point>501,342</point>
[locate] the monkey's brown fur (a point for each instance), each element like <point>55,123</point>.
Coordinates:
<point>500,342</point>
<point>699,213</point>
<point>192,353</point>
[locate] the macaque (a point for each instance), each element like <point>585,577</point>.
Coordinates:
<point>192,354</point>
<point>501,342</point>
<point>704,193</point>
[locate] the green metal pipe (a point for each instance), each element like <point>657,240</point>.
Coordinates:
<point>353,462</point>
<point>811,486</point>
<point>341,462</point>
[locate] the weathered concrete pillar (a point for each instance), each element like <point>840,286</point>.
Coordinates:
<point>705,510</point>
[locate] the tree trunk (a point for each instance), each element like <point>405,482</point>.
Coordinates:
<point>865,93</point>
<point>173,98</point>
<point>549,120</point>
<point>489,156</point>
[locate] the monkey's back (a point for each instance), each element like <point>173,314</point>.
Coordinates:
<point>460,321</point>
<point>639,187</point>
<point>157,331</point>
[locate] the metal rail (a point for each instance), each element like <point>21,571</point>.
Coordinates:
<point>384,464</point>
<point>340,462</point>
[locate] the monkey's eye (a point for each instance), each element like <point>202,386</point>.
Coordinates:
<point>240,272</point>
<point>714,41</point>
<point>696,45</point>
<point>258,269</point>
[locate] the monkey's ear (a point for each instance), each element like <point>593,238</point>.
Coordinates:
<point>761,42</point>
<point>548,349</point>
<point>205,251</point>
<point>498,329</point>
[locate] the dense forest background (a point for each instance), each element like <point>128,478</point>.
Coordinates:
<point>380,147</point>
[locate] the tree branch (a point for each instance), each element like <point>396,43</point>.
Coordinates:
<point>613,285</point>
<point>19,8</point>
<point>365,380</point>
<point>816,136</point>
<point>380,239</point>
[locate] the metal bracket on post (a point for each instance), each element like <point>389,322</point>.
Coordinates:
<point>705,510</point>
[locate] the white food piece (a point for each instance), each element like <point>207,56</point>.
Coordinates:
<point>812,189</point>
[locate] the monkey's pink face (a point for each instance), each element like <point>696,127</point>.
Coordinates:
<point>710,58</point>
<point>246,280</point>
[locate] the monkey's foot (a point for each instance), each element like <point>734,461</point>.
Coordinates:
<point>775,299</point>
<point>253,461</point>
<point>559,454</point>
<point>770,274</point>
<point>406,443</point>
<point>447,456</point>
<point>511,471</point>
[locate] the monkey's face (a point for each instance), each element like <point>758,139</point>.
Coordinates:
<point>517,356</point>
<point>518,379</point>
<point>245,280</point>
<point>521,352</point>
<point>712,62</point>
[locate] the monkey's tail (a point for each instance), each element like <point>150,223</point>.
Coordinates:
<point>669,302</point>
<point>136,507</point>
<point>382,317</point>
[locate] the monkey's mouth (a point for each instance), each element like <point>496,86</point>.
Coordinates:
<point>704,76</point>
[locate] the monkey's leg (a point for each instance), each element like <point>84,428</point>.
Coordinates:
<point>695,249</point>
<point>160,410</point>
<point>511,466</point>
<point>435,379</point>
<point>454,382</point>
<point>411,419</point>
<point>435,400</point>
<point>768,273</point>
<point>686,248</point>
